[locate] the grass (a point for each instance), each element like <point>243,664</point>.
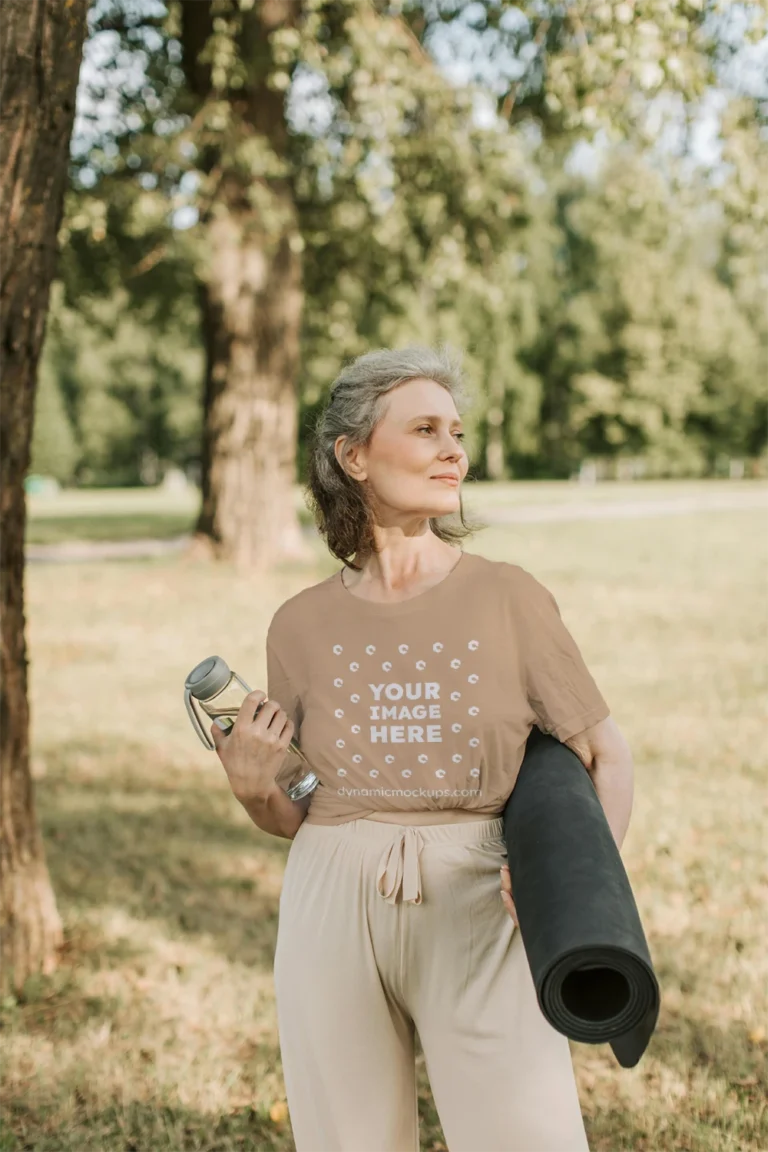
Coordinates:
<point>110,514</point>
<point>158,1031</point>
<point>151,513</point>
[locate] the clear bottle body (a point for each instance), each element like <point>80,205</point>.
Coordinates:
<point>226,704</point>
<point>294,776</point>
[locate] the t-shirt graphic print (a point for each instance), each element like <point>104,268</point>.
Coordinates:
<point>427,703</point>
<point>414,714</point>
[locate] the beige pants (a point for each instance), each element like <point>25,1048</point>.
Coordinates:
<point>384,928</point>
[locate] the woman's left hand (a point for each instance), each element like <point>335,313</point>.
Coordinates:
<point>506,892</point>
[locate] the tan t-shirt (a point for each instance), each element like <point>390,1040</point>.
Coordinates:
<point>427,703</point>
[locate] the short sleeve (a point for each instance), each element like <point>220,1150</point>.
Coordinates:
<point>560,688</point>
<point>282,687</point>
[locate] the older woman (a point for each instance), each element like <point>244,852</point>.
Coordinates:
<point>413,675</point>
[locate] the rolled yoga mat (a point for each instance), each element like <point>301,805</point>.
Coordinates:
<point>576,913</point>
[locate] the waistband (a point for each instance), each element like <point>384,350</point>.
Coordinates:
<point>402,844</point>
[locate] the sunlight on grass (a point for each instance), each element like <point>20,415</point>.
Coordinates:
<point>158,1031</point>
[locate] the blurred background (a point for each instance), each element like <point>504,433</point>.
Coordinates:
<point>575,195</point>
<point>579,206</point>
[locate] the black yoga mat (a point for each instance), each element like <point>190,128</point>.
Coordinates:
<point>575,909</point>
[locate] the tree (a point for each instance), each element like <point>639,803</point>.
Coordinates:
<point>326,127</point>
<point>40,52</point>
<point>645,352</point>
<point>399,181</point>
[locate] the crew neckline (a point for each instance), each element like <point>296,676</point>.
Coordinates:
<point>400,607</point>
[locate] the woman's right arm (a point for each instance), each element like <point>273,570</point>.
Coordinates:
<point>251,754</point>
<point>276,813</point>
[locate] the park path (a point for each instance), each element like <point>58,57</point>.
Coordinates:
<point>77,550</point>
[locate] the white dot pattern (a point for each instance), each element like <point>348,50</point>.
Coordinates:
<point>402,711</point>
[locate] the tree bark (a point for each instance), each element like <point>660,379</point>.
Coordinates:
<point>252,301</point>
<point>41,45</point>
<point>251,309</point>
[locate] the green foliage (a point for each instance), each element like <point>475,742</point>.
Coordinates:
<point>619,315</point>
<point>650,354</point>
<point>123,384</point>
<point>54,450</point>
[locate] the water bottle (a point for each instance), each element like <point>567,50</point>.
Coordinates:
<point>213,691</point>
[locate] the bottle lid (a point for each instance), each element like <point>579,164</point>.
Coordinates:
<point>207,678</point>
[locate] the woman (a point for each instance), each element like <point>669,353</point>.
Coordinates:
<point>414,676</point>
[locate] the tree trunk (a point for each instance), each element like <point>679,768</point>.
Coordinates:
<point>40,51</point>
<point>251,308</point>
<point>252,300</point>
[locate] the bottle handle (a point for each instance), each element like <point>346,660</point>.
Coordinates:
<point>204,736</point>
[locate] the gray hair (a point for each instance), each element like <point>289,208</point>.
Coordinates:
<point>340,505</point>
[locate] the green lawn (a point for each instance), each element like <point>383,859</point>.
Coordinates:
<point>158,1032</point>
<point>110,514</point>
<point>151,513</point>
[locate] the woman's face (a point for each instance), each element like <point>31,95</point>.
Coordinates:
<point>419,437</point>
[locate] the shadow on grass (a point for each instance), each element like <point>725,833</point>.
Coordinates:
<point>101,527</point>
<point>104,526</point>
<point>727,1052</point>
<point>165,847</point>
<point>175,850</point>
<point>138,1127</point>
<point>618,1130</point>
<point>668,1126</point>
